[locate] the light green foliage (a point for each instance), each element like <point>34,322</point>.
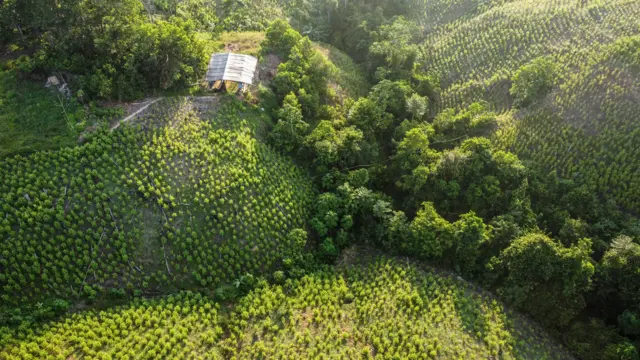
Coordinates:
<point>290,129</point>
<point>532,81</point>
<point>546,279</point>
<point>281,38</point>
<point>431,235</point>
<point>344,75</point>
<point>297,240</point>
<point>379,306</point>
<point>375,306</point>
<point>417,106</point>
<point>470,233</point>
<point>180,203</point>
<point>454,126</point>
<point>175,327</point>
<point>414,151</point>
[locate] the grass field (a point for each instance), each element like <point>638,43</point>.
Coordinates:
<point>369,306</point>
<point>345,77</point>
<point>586,126</point>
<point>33,118</point>
<point>181,199</point>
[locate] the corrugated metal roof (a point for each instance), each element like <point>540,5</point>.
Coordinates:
<point>232,67</point>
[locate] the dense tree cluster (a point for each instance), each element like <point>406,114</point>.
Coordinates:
<point>457,198</point>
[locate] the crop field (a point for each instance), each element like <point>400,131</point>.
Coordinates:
<point>586,126</point>
<point>174,202</point>
<point>374,307</point>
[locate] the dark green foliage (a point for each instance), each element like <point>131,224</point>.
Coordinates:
<point>594,340</point>
<point>332,143</point>
<point>369,116</point>
<point>470,233</point>
<point>545,279</point>
<point>532,81</point>
<point>111,50</point>
<point>201,12</point>
<point>393,51</point>
<point>629,323</point>
<point>391,96</point>
<point>289,131</point>
<point>280,38</point>
<point>618,281</point>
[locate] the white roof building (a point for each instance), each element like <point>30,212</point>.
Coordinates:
<point>232,67</point>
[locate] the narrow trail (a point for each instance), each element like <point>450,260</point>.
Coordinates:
<point>134,114</point>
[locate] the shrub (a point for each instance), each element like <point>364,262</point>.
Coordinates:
<point>532,81</point>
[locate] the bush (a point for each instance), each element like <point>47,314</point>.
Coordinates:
<point>545,279</point>
<point>280,38</point>
<point>532,81</point>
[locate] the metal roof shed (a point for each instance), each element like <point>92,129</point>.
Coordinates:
<point>232,67</point>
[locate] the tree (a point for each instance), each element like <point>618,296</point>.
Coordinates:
<point>289,132</point>
<point>391,96</point>
<point>470,233</point>
<point>532,81</point>
<point>618,280</point>
<point>545,279</point>
<point>393,52</point>
<point>330,145</point>
<point>370,117</point>
<point>431,234</point>
<point>280,38</point>
<point>417,105</point>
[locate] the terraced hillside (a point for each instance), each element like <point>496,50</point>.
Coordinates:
<point>171,202</point>
<point>586,127</point>
<point>373,306</point>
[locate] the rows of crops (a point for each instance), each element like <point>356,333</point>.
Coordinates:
<point>182,203</point>
<point>378,307</point>
<point>586,127</point>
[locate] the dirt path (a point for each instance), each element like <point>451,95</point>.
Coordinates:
<point>134,110</point>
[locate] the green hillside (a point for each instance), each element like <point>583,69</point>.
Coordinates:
<point>175,203</point>
<point>375,307</point>
<point>403,179</point>
<point>586,126</point>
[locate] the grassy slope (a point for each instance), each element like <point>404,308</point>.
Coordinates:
<point>371,306</point>
<point>345,77</point>
<point>179,203</point>
<point>587,126</point>
<point>31,117</point>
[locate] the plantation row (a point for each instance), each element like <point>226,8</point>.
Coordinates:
<point>591,134</point>
<point>180,203</point>
<point>585,127</point>
<point>376,308</point>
